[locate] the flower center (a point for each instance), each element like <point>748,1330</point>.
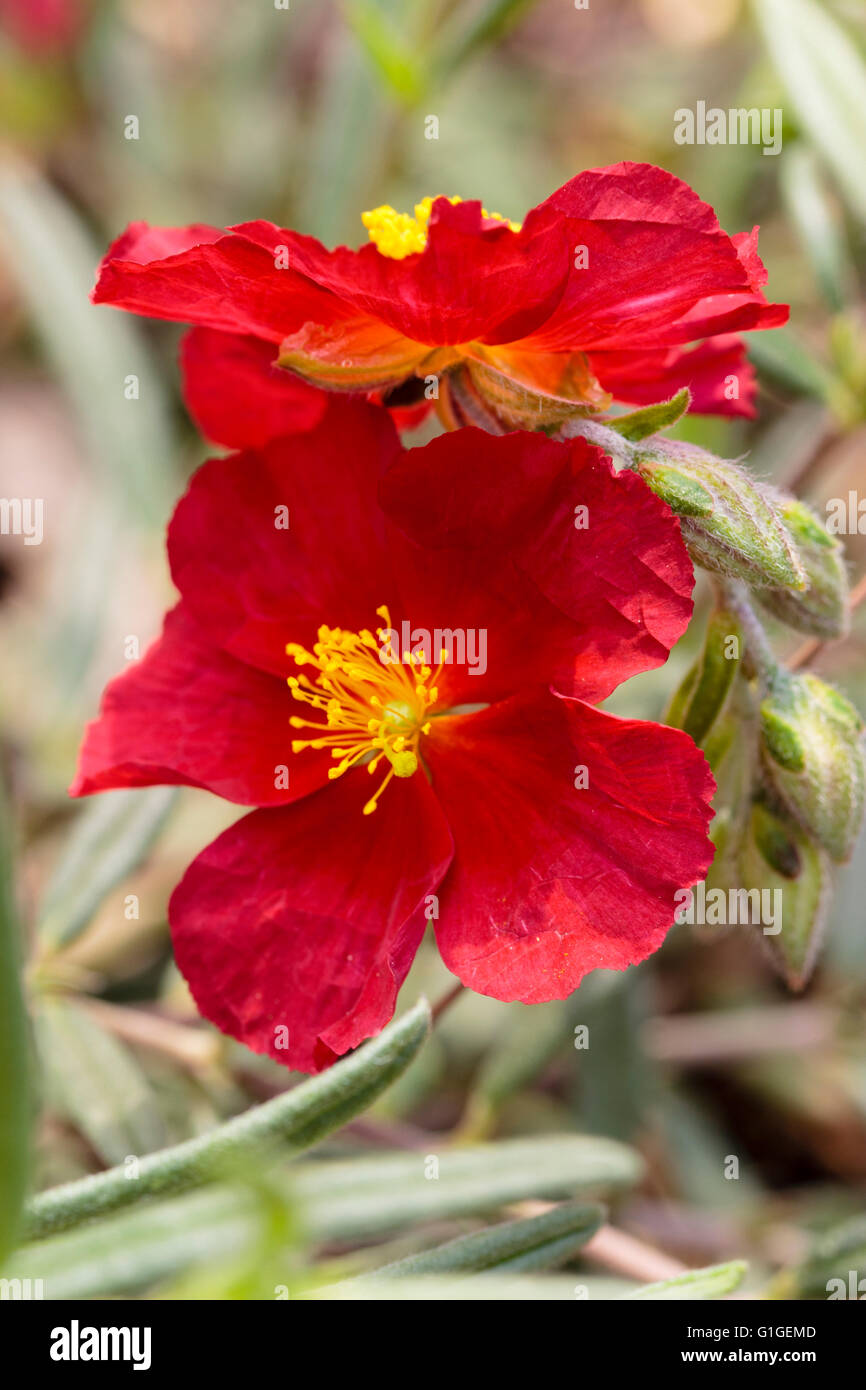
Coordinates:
<point>398,235</point>
<point>373,705</point>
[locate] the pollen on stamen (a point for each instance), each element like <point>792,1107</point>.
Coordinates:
<point>398,234</point>
<point>368,708</point>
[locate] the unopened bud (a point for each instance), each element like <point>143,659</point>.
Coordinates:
<point>730,523</point>
<point>822,608</point>
<point>779,857</point>
<point>813,757</point>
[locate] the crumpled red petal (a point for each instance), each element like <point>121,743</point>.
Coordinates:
<point>296,928</point>
<point>254,582</point>
<point>187,713</point>
<point>551,880</point>
<point>717,372</point>
<point>600,547</point>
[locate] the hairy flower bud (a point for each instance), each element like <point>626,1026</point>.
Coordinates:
<point>780,858</point>
<point>813,757</point>
<point>822,608</point>
<point>731,523</point>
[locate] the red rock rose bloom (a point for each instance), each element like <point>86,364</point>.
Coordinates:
<point>596,297</point>
<point>401,678</point>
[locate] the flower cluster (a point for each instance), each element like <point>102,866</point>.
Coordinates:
<point>396,656</point>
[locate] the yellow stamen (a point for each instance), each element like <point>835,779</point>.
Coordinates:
<point>398,235</point>
<point>372,704</point>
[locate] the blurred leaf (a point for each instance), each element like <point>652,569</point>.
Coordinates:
<point>486,1288</point>
<point>362,1197</point>
<point>340,169</point>
<point>390,56</point>
<point>109,839</point>
<point>838,1254</point>
<point>540,1242</point>
<point>491,22</point>
<point>350,1199</point>
<point>698,1153</point>
<point>95,1082</point>
<point>825,79</point>
<point>528,1041</point>
<point>93,350</point>
<point>614,1076</point>
<point>781,354</point>
<point>14,1101</point>
<point>713,1282</point>
<point>818,224</point>
<point>296,1119</point>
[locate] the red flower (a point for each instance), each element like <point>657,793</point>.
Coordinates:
<point>597,296</point>
<point>544,837</point>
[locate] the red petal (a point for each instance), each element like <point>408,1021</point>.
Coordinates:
<point>308,918</point>
<point>254,587</point>
<point>653,254</point>
<point>238,396</point>
<point>187,713</point>
<point>550,881</point>
<point>203,276</point>
<point>474,279</point>
<point>644,377</point>
<point>624,582</point>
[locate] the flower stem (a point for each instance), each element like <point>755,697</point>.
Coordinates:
<point>758,647</point>
<point>446,1001</point>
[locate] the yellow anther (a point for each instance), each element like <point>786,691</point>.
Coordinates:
<point>397,234</point>
<point>370,704</point>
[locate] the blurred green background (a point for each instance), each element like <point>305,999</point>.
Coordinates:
<point>307,115</point>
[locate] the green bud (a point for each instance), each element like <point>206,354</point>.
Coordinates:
<point>777,856</point>
<point>812,754</point>
<point>703,694</point>
<point>822,608</point>
<point>731,523</point>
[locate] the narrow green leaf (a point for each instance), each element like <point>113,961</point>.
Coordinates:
<point>391,58</point>
<point>295,1120</point>
<point>640,424</point>
<point>95,1082</point>
<point>486,1288</point>
<point>819,226</point>
<point>363,1197</point>
<point>825,80</point>
<point>351,1199</point>
<point>782,355</point>
<point>540,1242</point>
<point>715,1281</point>
<point>14,1103</point>
<point>111,837</point>
<point>487,26</point>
